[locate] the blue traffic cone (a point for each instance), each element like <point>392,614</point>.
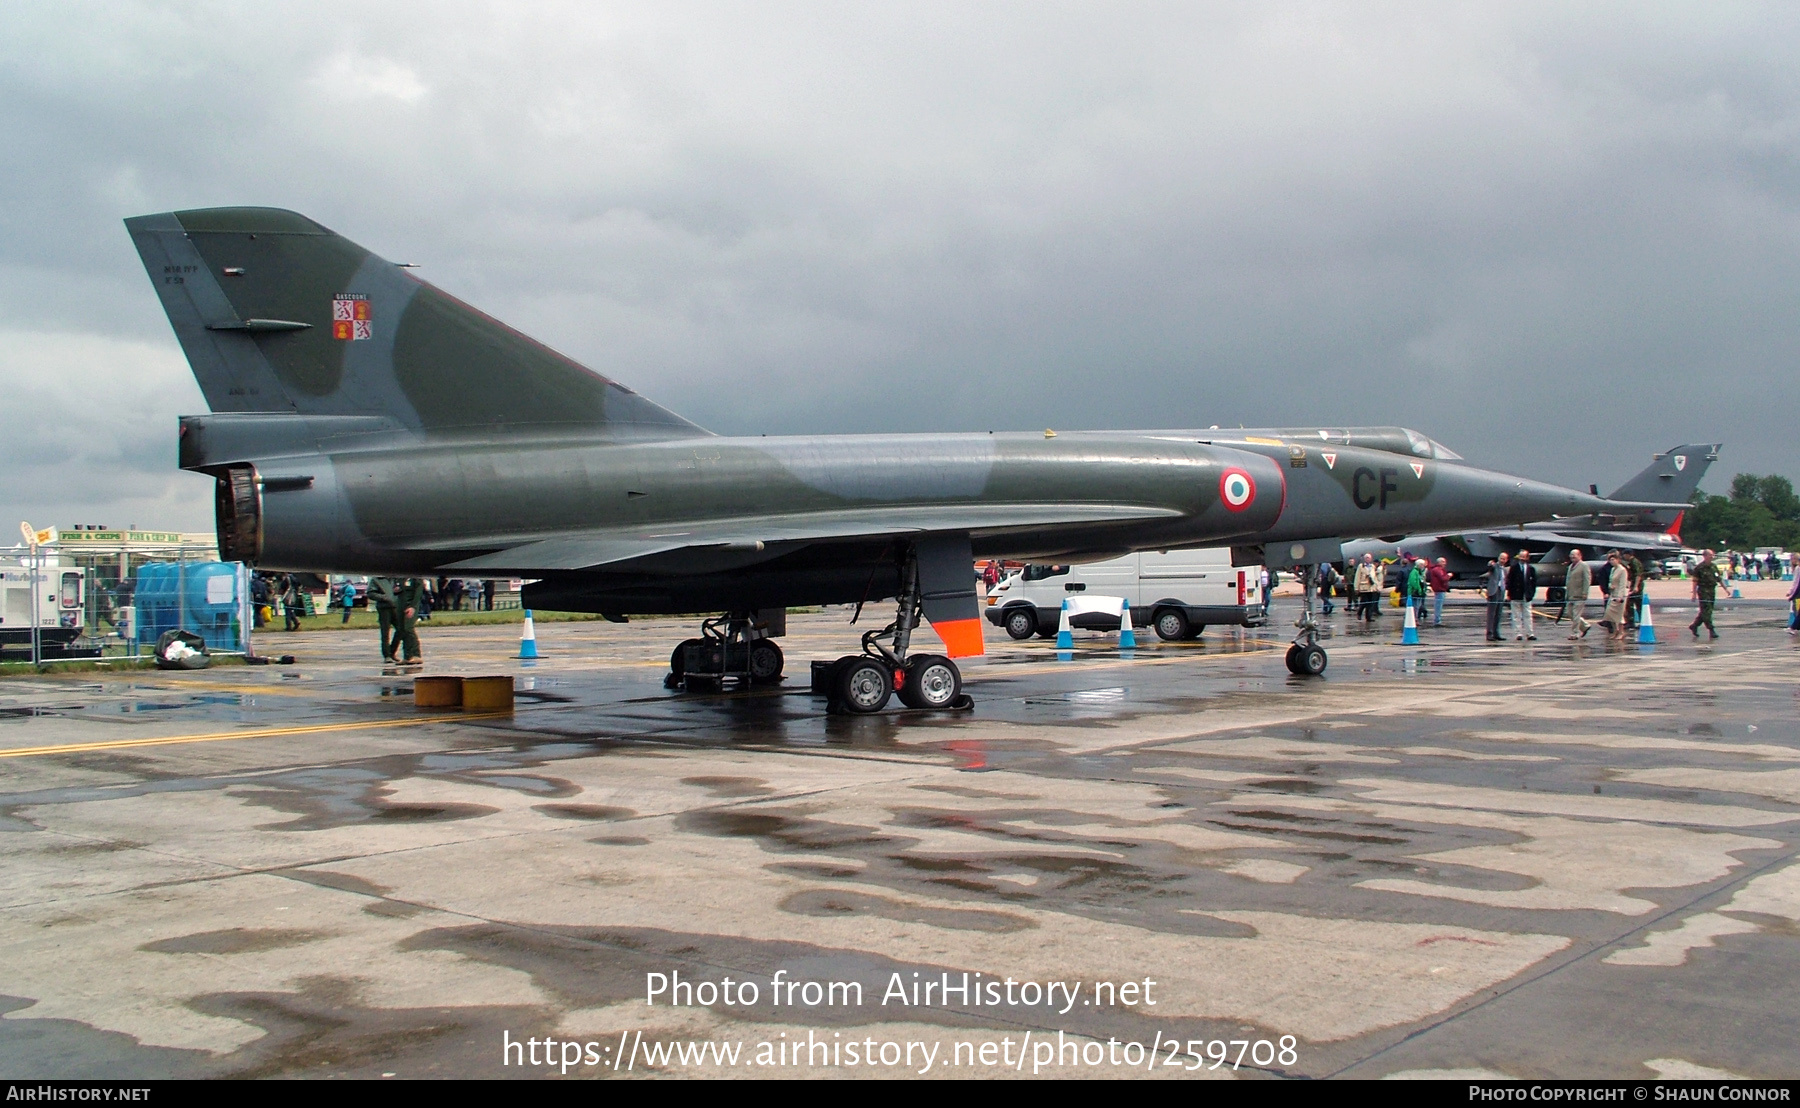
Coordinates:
<point>1646,632</point>
<point>528,638</point>
<point>1409,634</point>
<point>1127,637</point>
<point>1065,635</point>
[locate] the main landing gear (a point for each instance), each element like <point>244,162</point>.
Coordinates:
<point>1306,658</point>
<point>861,684</point>
<point>732,647</point>
<point>737,647</point>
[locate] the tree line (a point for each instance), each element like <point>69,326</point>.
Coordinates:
<point>1761,511</point>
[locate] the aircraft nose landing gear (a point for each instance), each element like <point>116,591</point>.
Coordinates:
<point>1306,658</point>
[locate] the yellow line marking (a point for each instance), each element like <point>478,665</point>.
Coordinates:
<point>261,733</point>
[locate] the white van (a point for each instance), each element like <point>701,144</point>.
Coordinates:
<point>60,612</point>
<point>1179,593</point>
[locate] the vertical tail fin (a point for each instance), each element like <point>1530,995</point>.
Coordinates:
<point>1670,478</point>
<point>279,314</point>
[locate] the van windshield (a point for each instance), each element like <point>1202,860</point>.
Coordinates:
<point>1038,573</point>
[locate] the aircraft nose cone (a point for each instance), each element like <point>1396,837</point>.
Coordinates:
<point>1504,499</point>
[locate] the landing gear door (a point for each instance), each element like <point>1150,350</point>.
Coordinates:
<point>947,592</point>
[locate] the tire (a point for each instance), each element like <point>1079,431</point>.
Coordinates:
<point>1021,622</point>
<point>1555,595</point>
<point>677,665</point>
<point>1293,659</point>
<point>1046,633</point>
<point>1311,660</point>
<point>863,685</point>
<point>765,662</point>
<point>1198,630</point>
<point>932,681</point>
<point>1172,625</point>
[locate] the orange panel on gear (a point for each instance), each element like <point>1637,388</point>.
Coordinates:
<point>962,637</point>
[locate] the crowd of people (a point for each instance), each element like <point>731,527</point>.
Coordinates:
<point>1510,587</point>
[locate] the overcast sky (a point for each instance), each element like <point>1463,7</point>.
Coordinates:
<point>1556,237</point>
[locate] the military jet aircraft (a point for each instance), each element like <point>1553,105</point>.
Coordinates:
<point>1650,533</point>
<point>364,421</point>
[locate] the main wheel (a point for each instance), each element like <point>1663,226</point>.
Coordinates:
<point>864,685</point>
<point>932,681</point>
<point>677,663</point>
<point>765,662</point>
<point>1311,660</point>
<point>1293,659</point>
<point>1172,625</point>
<point>1021,622</point>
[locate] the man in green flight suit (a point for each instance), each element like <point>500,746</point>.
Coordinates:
<point>381,598</point>
<point>409,598</point>
<point>1634,606</point>
<point>1706,590</point>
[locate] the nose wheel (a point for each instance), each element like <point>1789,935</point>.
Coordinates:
<point>1306,658</point>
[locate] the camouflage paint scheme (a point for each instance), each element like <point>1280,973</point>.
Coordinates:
<point>437,440</point>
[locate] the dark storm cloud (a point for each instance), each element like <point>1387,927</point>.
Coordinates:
<point>1556,238</point>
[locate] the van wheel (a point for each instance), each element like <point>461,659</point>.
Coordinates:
<point>1199,629</point>
<point>1021,623</point>
<point>1172,625</point>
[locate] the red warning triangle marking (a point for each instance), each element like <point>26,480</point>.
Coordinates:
<point>1330,460</point>
<point>1418,470</point>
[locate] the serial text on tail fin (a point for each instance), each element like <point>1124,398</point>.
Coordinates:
<point>277,313</point>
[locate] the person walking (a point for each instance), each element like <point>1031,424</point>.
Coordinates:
<point>1794,607</point>
<point>290,603</point>
<point>1416,588</point>
<point>1496,596</point>
<point>1575,593</point>
<point>1521,589</point>
<point>381,598</point>
<point>1618,587</point>
<point>409,600</point>
<point>1328,582</point>
<point>487,594</point>
<point>1706,592</point>
<point>348,599</point>
<point>1634,570</point>
<point>1438,578</point>
<point>1368,588</point>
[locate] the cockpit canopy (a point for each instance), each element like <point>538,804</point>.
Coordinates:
<point>1394,440</point>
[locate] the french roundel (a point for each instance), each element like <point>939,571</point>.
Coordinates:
<point>1237,489</point>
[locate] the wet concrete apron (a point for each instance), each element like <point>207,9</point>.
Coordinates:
<point>1525,859</point>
